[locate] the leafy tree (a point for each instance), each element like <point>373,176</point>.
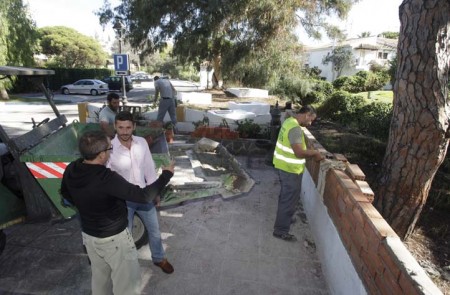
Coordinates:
<point>18,37</point>
<point>389,35</point>
<point>214,30</point>
<point>340,58</point>
<point>392,70</point>
<point>68,48</point>
<point>265,65</point>
<point>313,73</point>
<point>419,132</point>
<point>364,35</point>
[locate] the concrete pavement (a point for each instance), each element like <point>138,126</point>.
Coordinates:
<point>216,247</point>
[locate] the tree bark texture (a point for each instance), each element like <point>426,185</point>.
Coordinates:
<point>417,139</point>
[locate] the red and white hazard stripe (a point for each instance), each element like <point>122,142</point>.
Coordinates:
<point>47,169</point>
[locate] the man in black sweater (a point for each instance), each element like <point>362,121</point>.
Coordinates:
<point>99,195</point>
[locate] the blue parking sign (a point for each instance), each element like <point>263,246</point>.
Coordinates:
<point>121,62</point>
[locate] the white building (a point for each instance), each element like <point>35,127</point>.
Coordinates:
<point>366,51</point>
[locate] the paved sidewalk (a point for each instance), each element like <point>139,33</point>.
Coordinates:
<point>216,247</point>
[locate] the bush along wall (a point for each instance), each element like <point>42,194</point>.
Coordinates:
<point>362,81</point>
<point>373,119</point>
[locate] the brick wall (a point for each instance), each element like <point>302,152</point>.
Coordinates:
<point>383,263</point>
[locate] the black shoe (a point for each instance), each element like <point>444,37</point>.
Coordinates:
<point>285,237</point>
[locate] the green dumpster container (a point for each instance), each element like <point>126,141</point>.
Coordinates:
<point>12,208</point>
<point>48,160</point>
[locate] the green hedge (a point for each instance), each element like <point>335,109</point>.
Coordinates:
<point>341,106</point>
<point>371,119</point>
<point>361,81</point>
<point>61,77</point>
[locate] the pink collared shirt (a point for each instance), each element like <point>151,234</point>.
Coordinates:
<point>136,164</point>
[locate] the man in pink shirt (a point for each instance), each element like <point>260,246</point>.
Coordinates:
<point>131,158</point>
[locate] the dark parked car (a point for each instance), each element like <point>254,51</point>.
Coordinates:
<point>115,83</point>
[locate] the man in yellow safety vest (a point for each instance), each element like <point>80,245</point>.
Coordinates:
<point>289,158</point>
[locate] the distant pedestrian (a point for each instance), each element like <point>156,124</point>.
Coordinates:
<point>99,194</point>
<point>289,158</point>
<point>167,102</point>
<point>108,114</point>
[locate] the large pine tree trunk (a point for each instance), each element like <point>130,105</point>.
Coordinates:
<point>417,139</point>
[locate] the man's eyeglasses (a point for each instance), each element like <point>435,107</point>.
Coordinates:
<point>109,149</point>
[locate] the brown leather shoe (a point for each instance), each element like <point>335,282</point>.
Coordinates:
<point>165,266</point>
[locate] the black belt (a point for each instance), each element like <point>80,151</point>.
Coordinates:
<point>166,97</point>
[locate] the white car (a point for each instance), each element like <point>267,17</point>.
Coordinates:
<point>86,86</point>
<point>140,77</point>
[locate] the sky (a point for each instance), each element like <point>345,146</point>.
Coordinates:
<point>374,16</point>
<point>76,14</point>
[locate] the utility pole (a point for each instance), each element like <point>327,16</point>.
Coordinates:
<point>118,27</point>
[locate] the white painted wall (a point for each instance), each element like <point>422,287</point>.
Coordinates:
<point>315,60</point>
<point>195,98</point>
<point>249,92</point>
<point>206,77</point>
<point>337,267</point>
<point>259,108</point>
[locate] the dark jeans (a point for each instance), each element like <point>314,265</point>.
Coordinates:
<point>291,185</point>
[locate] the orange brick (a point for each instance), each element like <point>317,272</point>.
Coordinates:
<point>373,263</point>
<point>340,157</point>
<point>329,195</point>
<point>345,204</point>
<point>370,211</point>
<point>353,252</point>
<point>389,261</point>
<point>332,183</point>
<point>333,212</point>
<point>346,223</point>
<point>392,281</point>
<point>346,240</point>
<point>357,196</point>
<point>373,239</point>
<point>355,172</point>
<point>329,200</point>
<point>381,228</point>
<point>345,180</point>
<point>407,285</point>
<point>387,284</point>
<point>369,282</point>
<point>358,216</point>
<point>365,189</point>
<point>383,289</point>
<point>360,237</point>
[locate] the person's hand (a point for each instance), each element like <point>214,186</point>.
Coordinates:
<point>157,201</point>
<point>319,157</point>
<point>170,167</point>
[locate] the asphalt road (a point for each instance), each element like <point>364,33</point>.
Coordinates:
<point>16,116</point>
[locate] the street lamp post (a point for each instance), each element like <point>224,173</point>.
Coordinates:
<point>118,27</point>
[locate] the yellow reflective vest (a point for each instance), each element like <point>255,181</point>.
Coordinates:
<point>284,157</point>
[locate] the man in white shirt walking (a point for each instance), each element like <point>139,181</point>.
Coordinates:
<point>131,158</point>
